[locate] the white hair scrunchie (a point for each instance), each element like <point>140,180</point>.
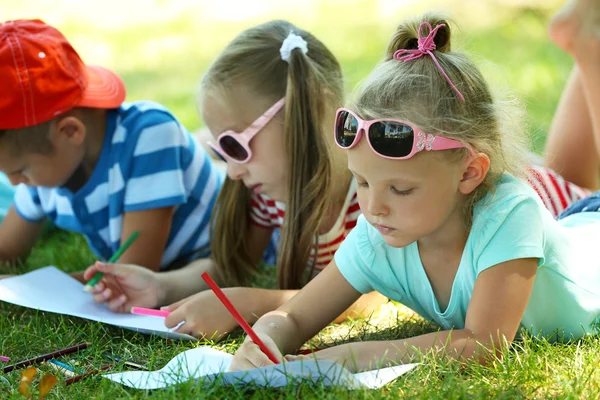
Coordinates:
<point>290,43</point>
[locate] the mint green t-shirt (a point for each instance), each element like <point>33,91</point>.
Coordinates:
<point>508,224</point>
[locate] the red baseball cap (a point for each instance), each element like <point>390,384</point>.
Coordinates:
<point>43,76</point>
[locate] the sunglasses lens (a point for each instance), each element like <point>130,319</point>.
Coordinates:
<point>346,128</point>
<point>391,139</point>
<point>233,148</point>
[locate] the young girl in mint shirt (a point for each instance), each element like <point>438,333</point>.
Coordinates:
<point>448,227</point>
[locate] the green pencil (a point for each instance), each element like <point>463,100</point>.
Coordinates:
<point>96,278</point>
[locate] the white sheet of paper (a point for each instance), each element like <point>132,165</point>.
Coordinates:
<point>213,364</point>
<point>49,289</point>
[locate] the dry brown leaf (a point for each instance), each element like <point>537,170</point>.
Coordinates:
<point>46,384</point>
<point>26,379</point>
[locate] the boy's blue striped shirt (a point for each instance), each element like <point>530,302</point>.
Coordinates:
<point>148,160</point>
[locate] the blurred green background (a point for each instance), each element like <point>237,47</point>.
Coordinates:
<point>161,48</point>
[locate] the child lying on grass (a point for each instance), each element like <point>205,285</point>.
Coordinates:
<point>447,228</point>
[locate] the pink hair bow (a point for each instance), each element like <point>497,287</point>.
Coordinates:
<point>425,45</point>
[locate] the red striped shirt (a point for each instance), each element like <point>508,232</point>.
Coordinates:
<point>269,213</point>
<point>556,193</point>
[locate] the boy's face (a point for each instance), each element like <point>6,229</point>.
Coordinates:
<point>52,169</point>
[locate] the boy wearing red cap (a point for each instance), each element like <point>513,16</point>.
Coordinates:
<point>90,162</point>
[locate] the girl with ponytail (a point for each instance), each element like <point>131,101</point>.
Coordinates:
<point>269,100</point>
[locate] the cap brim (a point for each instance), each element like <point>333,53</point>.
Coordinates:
<point>104,90</point>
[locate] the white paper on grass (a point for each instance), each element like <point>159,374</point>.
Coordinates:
<point>211,364</point>
<point>49,289</point>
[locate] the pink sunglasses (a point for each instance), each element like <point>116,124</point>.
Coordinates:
<point>233,146</point>
<point>389,138</point>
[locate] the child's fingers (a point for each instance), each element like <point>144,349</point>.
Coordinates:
<point>261,360</point>
<point>272,348</point>
<point>90,272</point>
<point>98,287</point>
<point>174,318</point>
<point>185,329</point>
<point>99,298</point>
<point>102,288</point>
<point>102,296</point>
<point>174,306</point>
<point>116,270</point>
<point>258,358</point>
<point>125,308</point>
<point>252,357</point>
<point>241,364</point>
<point>116,304</point>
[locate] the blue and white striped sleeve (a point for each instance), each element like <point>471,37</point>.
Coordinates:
<point>156,175</point>
<point>27,204</point>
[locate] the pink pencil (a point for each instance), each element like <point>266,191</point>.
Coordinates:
<point>149,311</point>
<point>4,359</point>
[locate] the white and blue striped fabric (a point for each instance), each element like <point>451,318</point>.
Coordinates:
<point>148,160</point>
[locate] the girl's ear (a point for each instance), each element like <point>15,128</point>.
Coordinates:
<point>476,170</point>
<point>70,129</point>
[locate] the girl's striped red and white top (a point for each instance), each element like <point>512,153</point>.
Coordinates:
<point>556,194</point>
<point>269,213</point>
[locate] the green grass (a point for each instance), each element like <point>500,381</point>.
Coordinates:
<point>532,368</point>
<point>163,59</point>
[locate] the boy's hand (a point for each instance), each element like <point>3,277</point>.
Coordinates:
<point>124,286</point>
<point>203,315</point>
<point>250,356</point>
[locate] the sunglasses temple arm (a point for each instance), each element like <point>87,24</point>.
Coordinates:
<point>256,126</point>
<point>263,120</point>
<point>442,143</point>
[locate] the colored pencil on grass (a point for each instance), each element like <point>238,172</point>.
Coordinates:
<point>45,357</point>
<point>78,378</point>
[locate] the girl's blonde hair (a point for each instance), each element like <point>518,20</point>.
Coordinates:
<point>416,91</point>
<point>313,88</point>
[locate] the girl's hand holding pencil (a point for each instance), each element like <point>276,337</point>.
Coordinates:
<point>124,286</point>
<point>250,355</point>
<point>204,315</point>
<point>113,259</point>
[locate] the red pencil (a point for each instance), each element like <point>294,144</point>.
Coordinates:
<point>45,357</point>
<point>238,317</point>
